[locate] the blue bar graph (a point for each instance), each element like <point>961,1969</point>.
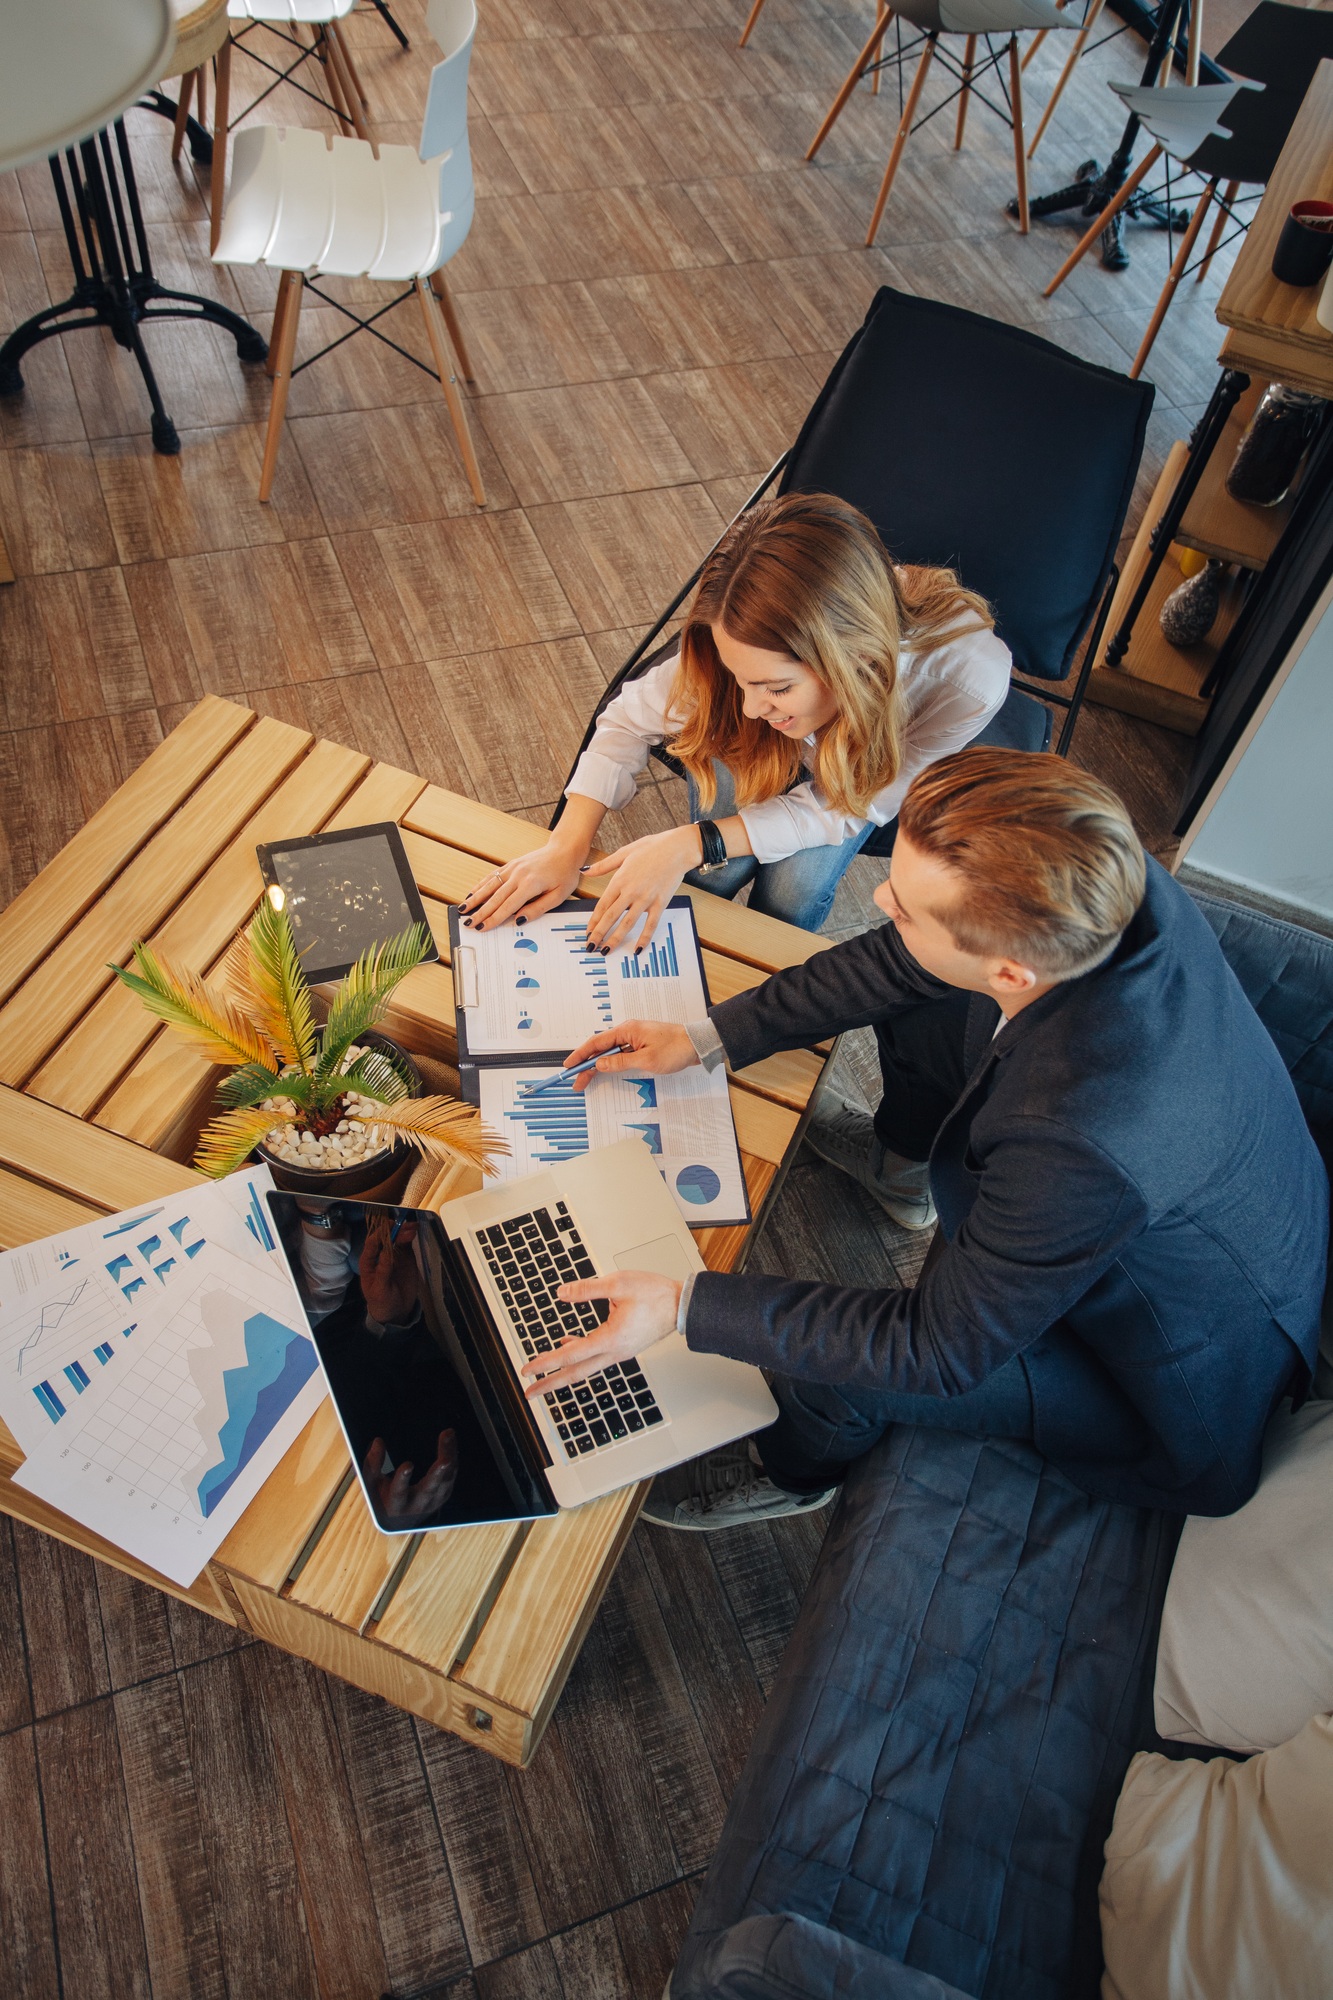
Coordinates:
<point>592,964</point>
<point>77,1377</point>
<point>104,1352</point>
<point>556,1123</point>
<point>49,1401</point>
<point>256,1222</point>
<point>660,961</point>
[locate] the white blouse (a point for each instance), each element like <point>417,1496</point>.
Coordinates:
<point>948,697</point>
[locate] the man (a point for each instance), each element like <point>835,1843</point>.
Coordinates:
<point>1133,1217</point>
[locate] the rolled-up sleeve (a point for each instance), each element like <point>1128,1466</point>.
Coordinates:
<point>626,732</point>
<point>949,695</point>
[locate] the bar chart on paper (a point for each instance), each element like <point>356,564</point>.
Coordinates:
<point>684,1121</point>
<point>538,986</point>
<point>169,1457</point>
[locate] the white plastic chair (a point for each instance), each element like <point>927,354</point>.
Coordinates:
<point>979,20</point>
<point>312,207</point>
<point>285,19</point>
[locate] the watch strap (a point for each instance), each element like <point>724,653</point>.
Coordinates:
<point>714,846</point>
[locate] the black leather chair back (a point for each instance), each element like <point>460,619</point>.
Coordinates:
<point>971,444</point>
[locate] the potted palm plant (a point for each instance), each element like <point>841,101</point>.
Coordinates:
<point>333,1108</point>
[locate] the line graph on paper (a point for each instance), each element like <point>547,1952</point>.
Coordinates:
<point>171,1443</point>
<point>55,1352</point>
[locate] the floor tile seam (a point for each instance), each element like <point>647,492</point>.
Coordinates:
<point>567,1930</point>
<point>39,1720</point>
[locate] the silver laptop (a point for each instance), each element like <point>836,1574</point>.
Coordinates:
<point>427,1387</point>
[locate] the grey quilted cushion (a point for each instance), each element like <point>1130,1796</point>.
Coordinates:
<point>938,1765</point>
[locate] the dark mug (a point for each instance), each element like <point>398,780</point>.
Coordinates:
<point>1305,247</point>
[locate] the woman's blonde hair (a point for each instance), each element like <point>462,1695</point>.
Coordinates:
<point>808,576</point>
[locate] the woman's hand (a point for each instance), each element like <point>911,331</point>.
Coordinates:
<point>643,1311</point>
<point>526,886</point>
<point>645,875</point>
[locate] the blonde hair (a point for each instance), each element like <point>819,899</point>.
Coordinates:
<point>1051,866</point>
<point>808,576</point>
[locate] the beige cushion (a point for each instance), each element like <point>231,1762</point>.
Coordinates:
<point>1245,1656</point>
<point>1219,1877</point>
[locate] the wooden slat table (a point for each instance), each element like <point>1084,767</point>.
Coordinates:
<point>100,1108</point>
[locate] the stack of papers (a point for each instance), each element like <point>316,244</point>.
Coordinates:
<point>155,1366</point>
<point>525,996</point>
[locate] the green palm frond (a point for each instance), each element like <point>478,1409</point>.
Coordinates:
<point>266,969</point>
<point>377,1073</point>
<point>227,1143</point>
<point>441,1127</point>
<point>250,1085</point>
<point>208,1022</point>
<point>364,992</point>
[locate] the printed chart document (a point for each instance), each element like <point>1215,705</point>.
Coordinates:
<point>155,1366</point>
<point>534,992</point>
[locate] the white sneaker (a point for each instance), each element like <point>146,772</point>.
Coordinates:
<point>844,1135</point>
<point>725,1489</point>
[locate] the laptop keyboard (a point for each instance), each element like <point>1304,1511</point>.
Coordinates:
<point>529,1256</point>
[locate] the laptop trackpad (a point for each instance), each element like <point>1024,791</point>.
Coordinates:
<point>664,1254</point>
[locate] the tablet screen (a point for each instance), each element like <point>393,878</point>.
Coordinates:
<point>344,893</point>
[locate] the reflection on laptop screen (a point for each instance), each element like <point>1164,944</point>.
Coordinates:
<point>420,1439</point>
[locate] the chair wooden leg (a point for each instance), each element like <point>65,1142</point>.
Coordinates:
<point>350,69</point>
<point>217,186</point>
<point>1219,224</point>
<point>1113,208</point>
<point>867,55</point>
<point>900,139</point>
<point>447,307</point>
<point>201,94</point>
<point>284,345</point>
<point>337,49</point>
<point>333,81</point>
<point>969,55</point>
<point>1036,43</point>
<point>457,414</point>
<point>1071,63</point>
<point>1174,277</point>
<point>881,13</point>
<point>748,29</point>
<point>182,116</point>
<point>1020,154</point>
<point>281,307</point>
<point>1194,47</point>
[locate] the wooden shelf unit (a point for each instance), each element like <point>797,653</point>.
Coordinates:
<point>1217,525</point>
<point>1157,681</point>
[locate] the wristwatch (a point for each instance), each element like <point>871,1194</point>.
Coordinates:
<point>714,847</point>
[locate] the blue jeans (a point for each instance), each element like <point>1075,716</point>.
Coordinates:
<point>820,1428</point>
<point>799,890</point>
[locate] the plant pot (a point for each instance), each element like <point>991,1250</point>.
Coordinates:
<point>380,1177</point>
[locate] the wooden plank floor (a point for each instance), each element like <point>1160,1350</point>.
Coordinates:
<point>654,289</point>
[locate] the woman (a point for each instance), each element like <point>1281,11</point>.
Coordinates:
<point>814,679</point>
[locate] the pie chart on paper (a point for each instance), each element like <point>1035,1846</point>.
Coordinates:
<point>698,1185</point>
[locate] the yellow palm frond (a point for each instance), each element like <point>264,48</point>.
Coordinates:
<point>264,969</point>
<point>441,1127</point>
<point>207,1021</point>
<point>227,1143</point>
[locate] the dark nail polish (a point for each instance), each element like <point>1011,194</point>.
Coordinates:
<point>520,920</point>
<point>605,950</point>
<point>467,923</point>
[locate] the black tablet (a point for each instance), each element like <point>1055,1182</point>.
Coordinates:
<point>344,892</point>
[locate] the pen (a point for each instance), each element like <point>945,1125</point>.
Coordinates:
<point>563,1075</point>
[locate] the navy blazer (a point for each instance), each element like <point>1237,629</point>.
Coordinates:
<point>1130,1199</point>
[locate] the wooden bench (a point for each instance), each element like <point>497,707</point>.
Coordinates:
<point>100,1108</point>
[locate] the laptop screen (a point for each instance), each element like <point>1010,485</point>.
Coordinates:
<point>429,1436</point>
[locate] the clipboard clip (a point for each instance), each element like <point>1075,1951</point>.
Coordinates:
<point>466,988</point>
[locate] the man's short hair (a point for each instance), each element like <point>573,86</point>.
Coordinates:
<point>1050,866</point>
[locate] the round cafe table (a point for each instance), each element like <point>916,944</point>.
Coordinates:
<point>98,198</point>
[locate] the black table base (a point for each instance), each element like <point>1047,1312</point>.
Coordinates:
<point>1093,187</point>
<point>114,285</point>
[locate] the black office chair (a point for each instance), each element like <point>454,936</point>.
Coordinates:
<point>973,445</point>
